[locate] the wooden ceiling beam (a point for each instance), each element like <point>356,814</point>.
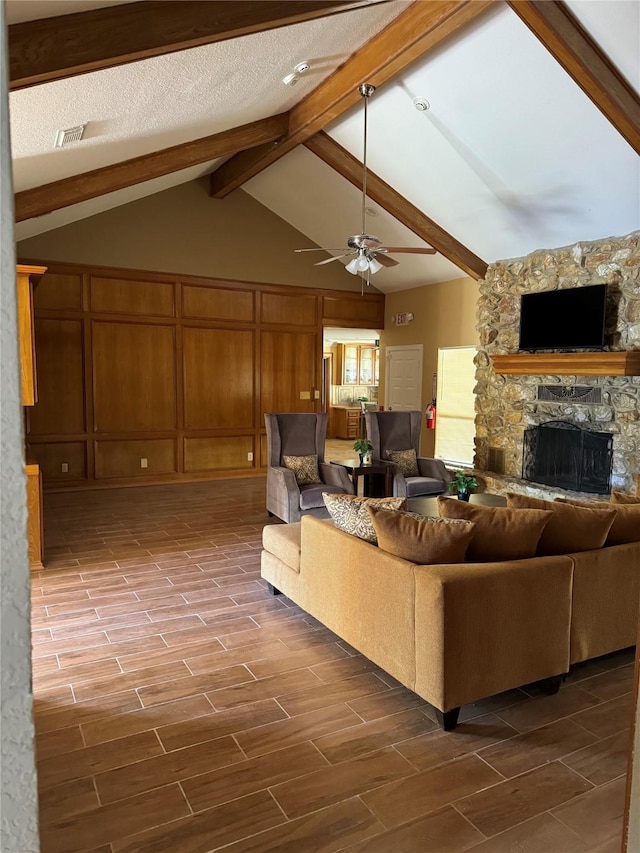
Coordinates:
<point>323,146</point>
<point>422,27</point>
<point>563,36</point>
<point>54,48</point>
<point>72,190</point>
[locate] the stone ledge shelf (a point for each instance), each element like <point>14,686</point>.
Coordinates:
<point>564,363</point>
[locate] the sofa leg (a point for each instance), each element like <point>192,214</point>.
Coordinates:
<point>551,685</point>
<point>447,720</point>
<point>273,590</point>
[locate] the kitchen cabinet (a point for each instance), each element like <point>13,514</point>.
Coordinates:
<point>345,422</point>
<point>357,364</point>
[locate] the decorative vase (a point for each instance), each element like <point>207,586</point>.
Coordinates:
<point>366,458</point>
<point>463,496</point>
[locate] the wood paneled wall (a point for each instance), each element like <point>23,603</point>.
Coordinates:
<point>145,377</point>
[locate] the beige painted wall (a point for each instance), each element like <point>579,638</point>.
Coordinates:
<point>182,230</point>
<point>444,316</point>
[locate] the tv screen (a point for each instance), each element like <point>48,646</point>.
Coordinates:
<point>569,319</point>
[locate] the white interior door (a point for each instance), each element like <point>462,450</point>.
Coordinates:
<point>403,378</point>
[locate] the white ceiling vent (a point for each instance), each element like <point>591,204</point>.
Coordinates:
<point>72,134</point>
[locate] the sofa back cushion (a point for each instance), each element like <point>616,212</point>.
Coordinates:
<point>419,539</point>
<point>624,498</point>
<point>500,533</point>
<point>349,513</point>
<point>626,524</point>
<point>571,528</point>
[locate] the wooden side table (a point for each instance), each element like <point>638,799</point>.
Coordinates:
<point>357,469</point>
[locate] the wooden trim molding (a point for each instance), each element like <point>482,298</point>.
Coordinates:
<point>564,363</point>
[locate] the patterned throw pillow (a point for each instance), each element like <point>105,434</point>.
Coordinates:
<point>350,514</point>
<point>406,461</point>
<point>305,469</point>
<point>419,539</point>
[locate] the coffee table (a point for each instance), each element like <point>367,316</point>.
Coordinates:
<point>377,468</point>
<point>426,505</point>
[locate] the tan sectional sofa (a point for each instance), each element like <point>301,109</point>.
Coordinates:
<point>455,634</point>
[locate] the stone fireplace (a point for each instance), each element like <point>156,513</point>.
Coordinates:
<point>510,403</point>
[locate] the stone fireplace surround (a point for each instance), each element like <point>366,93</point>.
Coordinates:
<point>508,403</point>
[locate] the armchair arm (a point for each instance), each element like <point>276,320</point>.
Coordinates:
<point>434,468</point>
<point>336,475</point>
<point>283,494</point>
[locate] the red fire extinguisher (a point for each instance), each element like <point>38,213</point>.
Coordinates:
<point>430,414</point>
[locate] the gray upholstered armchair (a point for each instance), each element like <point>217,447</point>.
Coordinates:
<point>400,431</point>
<point>298,435</point>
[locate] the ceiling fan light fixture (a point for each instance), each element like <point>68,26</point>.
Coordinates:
<point>374,266</point>
<point>352,266</point>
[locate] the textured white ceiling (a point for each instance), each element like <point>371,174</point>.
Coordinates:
<point>511,157</point>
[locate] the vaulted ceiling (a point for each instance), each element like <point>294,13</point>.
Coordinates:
<point>530,141</point>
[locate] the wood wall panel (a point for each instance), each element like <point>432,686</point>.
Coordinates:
<point>210,454</point>
<point>176,370</point>
<point>218,303</point>
<point>51,456</point>
<point>60,409</point>
<point>59,292</point>
<point>289,367</point>
<point>218,378</point>
<point>122,296</point>
<point>294,310</point>
<point>353,310</point>
<point>122,458</point>
<point>134,377</point>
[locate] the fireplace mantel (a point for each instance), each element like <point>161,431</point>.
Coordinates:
<point>563,363</point>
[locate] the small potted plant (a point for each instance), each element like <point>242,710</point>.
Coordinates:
<point>363,448</point>
<point>462,484</point>
<point>362,401</point>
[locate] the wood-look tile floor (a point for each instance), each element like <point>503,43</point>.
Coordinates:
<point>181,708</point>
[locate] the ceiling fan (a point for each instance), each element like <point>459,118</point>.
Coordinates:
<point>366,251</point>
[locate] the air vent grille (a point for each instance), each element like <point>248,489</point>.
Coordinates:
<point>72,134</point>
<point>574,393</point>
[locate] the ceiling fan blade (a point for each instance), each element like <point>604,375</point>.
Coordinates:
<point>385,260</point>
<point>319,249</point>
<point>406,250</point>
<point>335,258</point>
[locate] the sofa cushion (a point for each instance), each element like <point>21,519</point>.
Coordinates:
<point>571,528</point>
<point>406,460</point>
<point>305,468</point>
<point>420,539</point>
<point>423,486</point>
<point>626,524</point>
<point>624,498</point>
<point>350,513</point>
<point>501,533</point>
<point>312,495</point>
<point>283,541</point>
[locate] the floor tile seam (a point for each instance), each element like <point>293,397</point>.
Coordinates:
<point>581,775</point>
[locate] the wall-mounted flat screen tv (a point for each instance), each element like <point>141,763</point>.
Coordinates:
<point>571,319</point>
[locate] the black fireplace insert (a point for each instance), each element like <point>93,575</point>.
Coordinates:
<point>561,454</point>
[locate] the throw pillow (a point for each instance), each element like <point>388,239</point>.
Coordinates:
<point>406,461</point>
<point>419,539</point>
<point>626,524</point>
<point>624,498</point>
<point>500,533</point>
<point>349,513</point>
<point>305,469</point>
<point>571,528</point>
